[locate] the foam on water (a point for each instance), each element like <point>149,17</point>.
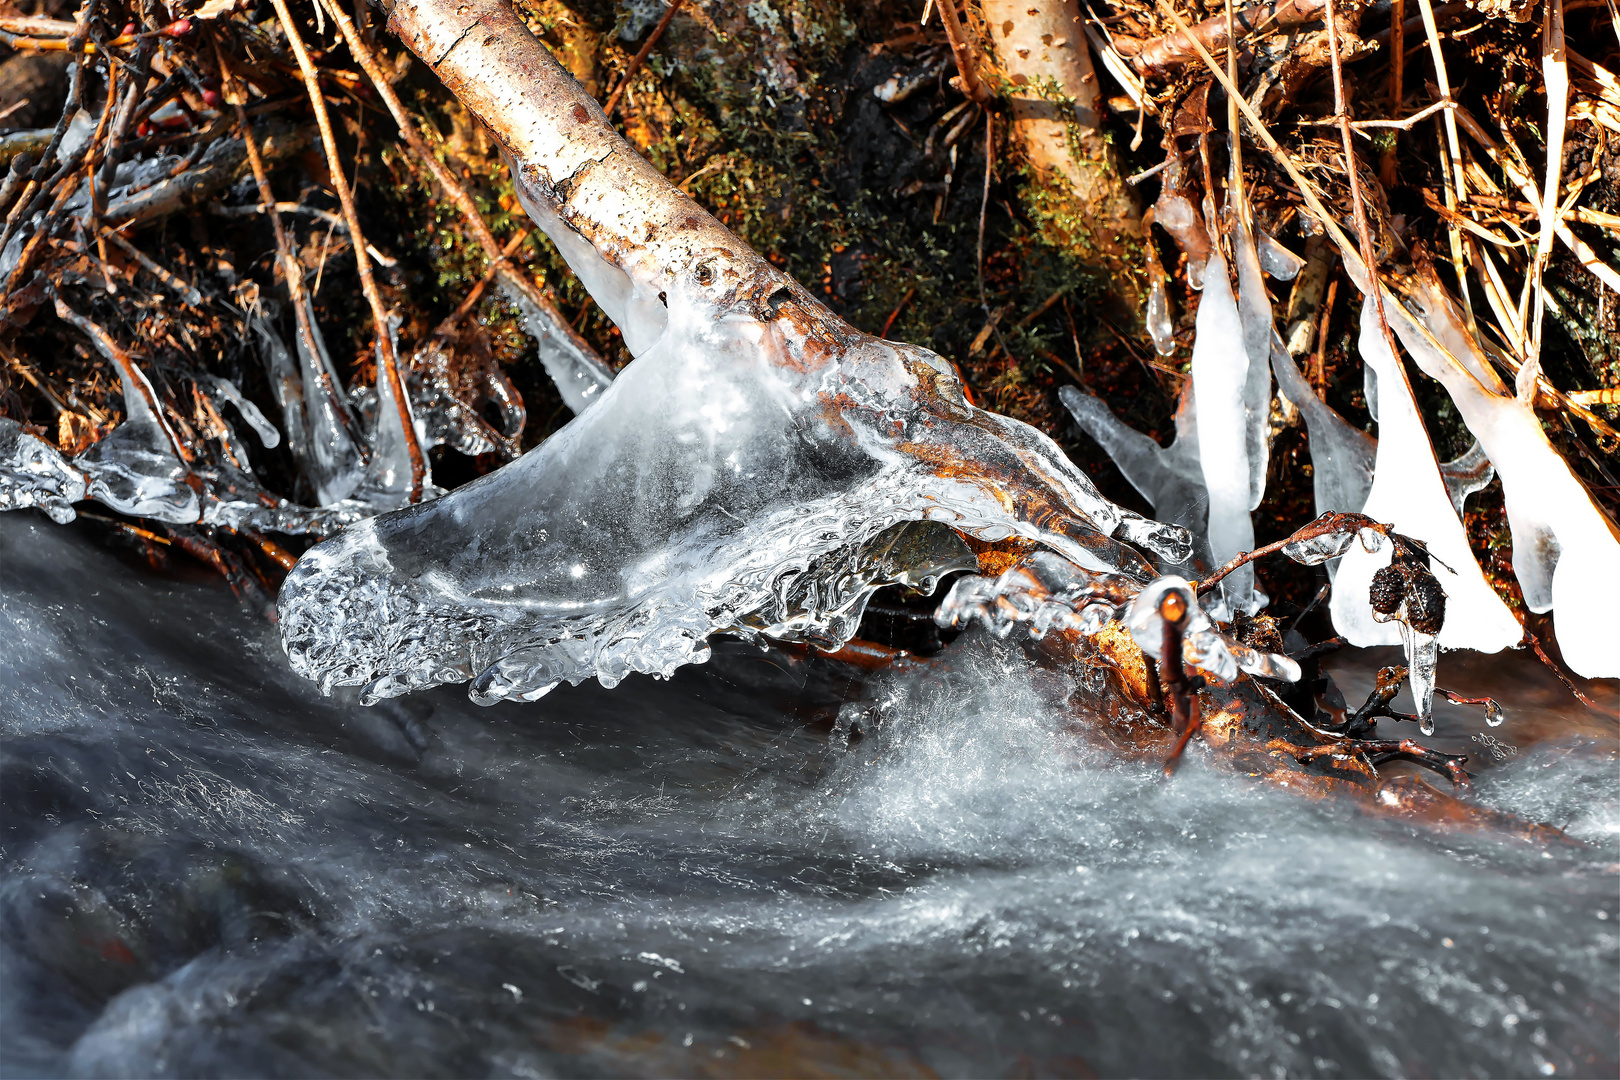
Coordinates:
<point>209,869</point>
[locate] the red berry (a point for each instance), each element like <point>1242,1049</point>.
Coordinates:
<point>128,31</point>
<point>211,98</point>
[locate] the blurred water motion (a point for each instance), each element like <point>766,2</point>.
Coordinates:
<point>210,870</point>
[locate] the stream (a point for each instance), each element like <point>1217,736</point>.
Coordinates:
<point>210,870</point>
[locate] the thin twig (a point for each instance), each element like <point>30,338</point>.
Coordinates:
<point>1369,254</point>
<point>292,270</point>
<point>388,363</point>
<point>641,57</point>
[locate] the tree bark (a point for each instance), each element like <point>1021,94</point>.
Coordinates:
<point>1056,105</point>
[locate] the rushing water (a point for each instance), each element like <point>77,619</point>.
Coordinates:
<point>210,870</point>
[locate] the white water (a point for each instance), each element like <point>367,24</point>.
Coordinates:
<point>208,869</point>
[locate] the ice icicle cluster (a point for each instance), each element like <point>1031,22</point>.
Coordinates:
<point>1169,478</point>
<point>1565,553</point>
<point>1220,370</point>
<point>728,461</point>
<point>1408,493</point>
<point>1220,657</point>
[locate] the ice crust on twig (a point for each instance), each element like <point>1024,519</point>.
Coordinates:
<point>692,498</point>
<point>1203,646</point>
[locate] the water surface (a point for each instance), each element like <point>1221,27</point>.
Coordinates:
<point>210,870</point>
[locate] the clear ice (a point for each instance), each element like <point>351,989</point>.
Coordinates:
<point>1219,656</point>
<point>731,457</point>
<point>1341,454</point>
<point>1168,477</point>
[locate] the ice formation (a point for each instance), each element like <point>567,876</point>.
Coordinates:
<point>1168,477</point>
<point>722,466</point>
<point>1041,593</point>
<point>1218,656</point>
<point>1254,312</point>
<point>1565,553</point>
<point>754,442</point>
<point>1220,370</point>
<point>1407,492</point>
<point>1044,593</point>
<point>578,372</point>
<point>32,473</point>
<point>1341,453</point>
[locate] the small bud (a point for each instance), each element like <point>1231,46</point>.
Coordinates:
<point>210,98</point>
<point>1387,591</point>
<point>177,29</point>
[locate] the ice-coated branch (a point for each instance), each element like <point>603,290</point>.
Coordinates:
<point>734,477</point>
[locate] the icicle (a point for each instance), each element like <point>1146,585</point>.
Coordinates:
<point>1341,453</point>
<point>1219,378</point>
<point>1564,554</point>
<point>334,466</point>
<point>1169,478</point>
<point>1422,653</point>
<point>263,428</point>
<point>1408,493</point>
<point>1159,325</point>
<point>1175,213</point>
<point>286,385</point>
<point>33,473</point>
<point>579,374</point>
<point>387,480</point>
<point>1254,311</point>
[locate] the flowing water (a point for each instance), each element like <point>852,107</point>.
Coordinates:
<point>211,870</point>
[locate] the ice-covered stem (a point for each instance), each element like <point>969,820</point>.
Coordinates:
<point>387,362</point>
<point>1330,527</point>
<point>292,271</point>
<point>1053,92</point>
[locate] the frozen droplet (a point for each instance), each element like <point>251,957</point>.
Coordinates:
<point>1275,259</point>
<point>1160,328</point>
<point>1493,713</point>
